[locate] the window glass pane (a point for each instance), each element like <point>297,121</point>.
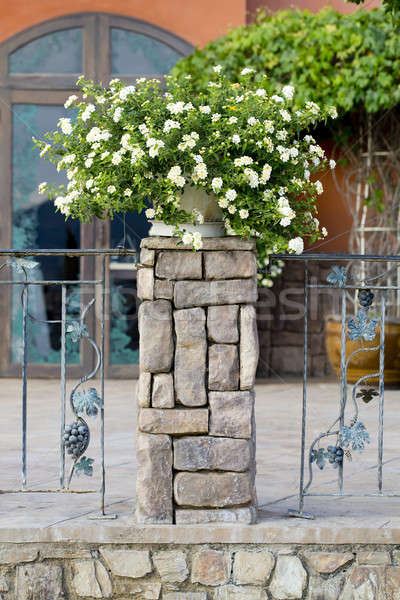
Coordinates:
<point>59,52</point>
<point>137,54</point>
<point>124,335</point>
<point>37,225</point>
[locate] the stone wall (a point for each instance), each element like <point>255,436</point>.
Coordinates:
<point>198,358</point>
<point>198,572</point>
<point>280,322</point>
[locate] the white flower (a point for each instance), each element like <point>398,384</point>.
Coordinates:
<point>205,110</point>
<point>266,174</point>
<point>243,213</point>
<point>332,164</point>
<point>217,68</point>
<point>312,107</point>
<point>236,138</point>
<point>89,184</point>
<point>125,141</point>
<point>100,99</point>
<point>252,121</point>
<point>187,238</point>
<point>324,231</point>
<point>150,213</point>
<point>116,158</point>
<point>111,189</point>
<point>319,187</point>
<point>170,124</point>
<point>231,194</point>
<point>154,146</point>
<point>197,244</point>
<point>63,205</point>
<point>307,175</point>
<point>261,92</point>
<point>144,130</point>
<point>288,91</point>
<point>94,135</point>
<point>128,192</point>
<point>332,112</point>
<point>45,149</point>
<point>216,117</point>
<point>232,209</point>
<point>117,114</point>
<point>70,100</point>
<point>232,120</point>
<point>174,175</point>
<point>216,184</point>
<point>188,106</point>
<point>87,112</point>
<point>88,162</point>
<point>104,155</point>
<point>284,153</point>
<point>223,203</point>
<point>176,108</point>
<point>269,126</point>
<point>296,245</point>
<point>239,98</point>
<point>285,115</point>
<point>200,171</point>
<point>247,71</point>
<point>114,81</point>
<point>128,89</point>
<point>293,152</point>
<point>42,187</point>
<point>65,125</point>
<point>251,177</point>
<point>277,99</point>
<point>198,158</point>
<point>281,134</point>
<point>136,154</point>
<point>242,161</point>
<point>140,79</point>
<point>285,221</point>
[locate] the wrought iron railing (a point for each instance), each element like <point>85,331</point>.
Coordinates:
<point>74,429</point>
<point>347,434</point>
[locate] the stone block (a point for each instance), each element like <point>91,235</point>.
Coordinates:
<point>289,579</point>
<point>147,257</point>
<point>68,552</point>
<point>39,580</point>
<point>367,583</point>
<point>163,391</point>
<point>91,579</point>
<point>17,553</point>
<point>185,596</point>
<point>190,357</point>
<point>327,562</point>
<point>141,590</point>
<point>252,567</point>
<point>171,565</point>
<point>4,587</point>
<point>156,346</point>
<point>179,264</point>
<point>173,422</point>
<point>223,367</point>
<point>211,453</point>
<point>143,390</point>
<point>127,563</point>
<point>209,293</point>
<point>231,414</point>
<point>163,288</point>
<point>229,265</point>
<point>222,324</point>
<point>154,478</point>
<point>188,516</point>
<point>373,557</point>
<point>249,347</point>
<point>145,283</point>
<point>211,567</point>
<point>392,583</point>
<point>212,489</point>
<point>221,243</point>
<point>235,592</point>
<point>324,589</point>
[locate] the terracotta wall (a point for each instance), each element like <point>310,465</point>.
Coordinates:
<point>196,21</point>
<point>312,5</point>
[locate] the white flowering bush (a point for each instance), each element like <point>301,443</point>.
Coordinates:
<point>137,147</point>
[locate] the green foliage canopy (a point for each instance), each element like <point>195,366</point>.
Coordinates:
<point>351,61</point>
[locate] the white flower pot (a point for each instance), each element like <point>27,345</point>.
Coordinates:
<point>206,204</point>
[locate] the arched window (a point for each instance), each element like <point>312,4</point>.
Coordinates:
<point>38,71</point>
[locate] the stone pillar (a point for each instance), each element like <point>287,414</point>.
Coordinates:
<point>198,359</point>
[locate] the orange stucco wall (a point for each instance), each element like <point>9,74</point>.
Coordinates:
<point>312,5</point>
<point>196,21</point>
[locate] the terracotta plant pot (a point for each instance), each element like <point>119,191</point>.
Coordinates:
<point>365,363</point>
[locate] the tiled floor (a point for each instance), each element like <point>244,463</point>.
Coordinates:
<point>278,413</point>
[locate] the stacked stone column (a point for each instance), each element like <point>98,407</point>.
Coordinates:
<point>198,358</point>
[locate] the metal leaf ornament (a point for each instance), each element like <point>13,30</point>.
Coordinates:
<point>88,402</point>
<point>337,276</point>
<point>367,394</point>
<point>362,327</point>
<point>85,466</point>
<point>355,436</point>
<point>318,456</point>
<point>77,330</point>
